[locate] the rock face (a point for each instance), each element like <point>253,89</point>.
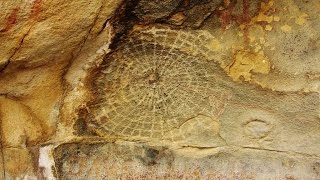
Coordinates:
<point>127,161</point>
<point>174,89</point>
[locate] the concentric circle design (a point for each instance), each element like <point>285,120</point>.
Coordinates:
<point>147,90</point>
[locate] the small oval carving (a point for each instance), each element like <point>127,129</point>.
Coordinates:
<point>257,129</point>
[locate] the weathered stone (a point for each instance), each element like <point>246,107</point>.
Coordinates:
<point>125,160</point>
<point>199,13</point>
<point>153,10</point>
<point>173,89</point>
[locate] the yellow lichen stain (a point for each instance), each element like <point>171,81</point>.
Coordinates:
<point>301,20</point>
<point>266,6</point>
<point>257,38</point>
<point>286,28</point>
<point>260,21</point>
<point>264,18</point>
<point>257,48</point>
<point>252,39</point>
<point>276,18</point>
<point>214,44</point>
<point>263,14</point>
<point>268,28</point>
<point>251,58</point>
<point>246,62</point>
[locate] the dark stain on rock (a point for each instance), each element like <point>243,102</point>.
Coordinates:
<point>152,153</point>
<point>196,16</point>
<point>150,11</point>
<point>124,22</point>
<point>4,65</point>
<point>80,126</point>
<point>150,157</point>
<point>316,168</point>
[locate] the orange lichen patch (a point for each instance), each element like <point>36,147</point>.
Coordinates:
<point>178,18</point>
<point>11,20</point>
<point>246,62</point>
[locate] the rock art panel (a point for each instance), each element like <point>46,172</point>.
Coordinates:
<point>171,89</point>
<point>147,90</point>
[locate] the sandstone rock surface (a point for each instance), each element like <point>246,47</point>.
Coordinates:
<point>173,89</point>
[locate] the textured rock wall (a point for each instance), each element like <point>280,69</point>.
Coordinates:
<point>171,89</point>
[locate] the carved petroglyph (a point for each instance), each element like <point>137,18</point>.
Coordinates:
<point>257,125</point>
<point>149,89</point>
<point>257,129</point>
